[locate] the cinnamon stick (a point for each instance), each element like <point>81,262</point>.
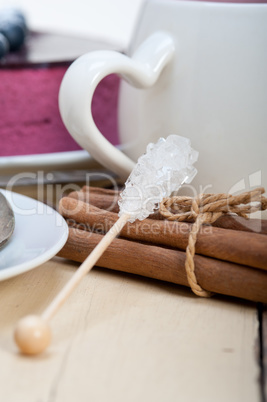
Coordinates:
<point>99,199</point>
<point>100,190</point>
<point>168,265</point>
<point>239,223</point>
<point>103,198</point>
<point>228,245</point>
<point>108,199</point>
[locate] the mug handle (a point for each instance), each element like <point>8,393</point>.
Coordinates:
<point>81,79</point>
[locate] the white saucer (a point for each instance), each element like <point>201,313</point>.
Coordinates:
<point>40,232</point>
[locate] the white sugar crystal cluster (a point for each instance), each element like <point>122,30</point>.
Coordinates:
<point>164,167</point>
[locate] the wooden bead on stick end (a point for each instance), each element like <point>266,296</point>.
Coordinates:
<point>32,335</point>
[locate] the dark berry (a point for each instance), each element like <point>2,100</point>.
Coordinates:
<point>11,13</point>
<point>4,46</point>
<point>14,31</point>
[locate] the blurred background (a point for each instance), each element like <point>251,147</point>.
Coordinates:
<point>104,20</point>
<point>29,96</point>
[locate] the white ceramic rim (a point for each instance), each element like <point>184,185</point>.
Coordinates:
<point>43,257</point>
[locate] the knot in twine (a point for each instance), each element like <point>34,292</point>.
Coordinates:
<point>206,209</point>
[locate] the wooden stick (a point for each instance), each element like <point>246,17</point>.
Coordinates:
<point>168,265</point>
<point>32,333</point>
<point>85,267</point>
<point>108,199</point>
<point>229,245</point>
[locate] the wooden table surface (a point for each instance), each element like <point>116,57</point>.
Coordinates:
<point>121,337</point>
<point>126,338</point>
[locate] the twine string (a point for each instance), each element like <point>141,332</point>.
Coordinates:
<point>206,209</point>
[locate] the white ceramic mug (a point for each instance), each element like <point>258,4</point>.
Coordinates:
<point>197,69</point>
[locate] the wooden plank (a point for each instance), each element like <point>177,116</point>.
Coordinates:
<point>121,337</point>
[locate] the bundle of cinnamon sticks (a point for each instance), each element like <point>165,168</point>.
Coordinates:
<point>231,255</point>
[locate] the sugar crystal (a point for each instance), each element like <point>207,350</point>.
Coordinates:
<point>163,169</point>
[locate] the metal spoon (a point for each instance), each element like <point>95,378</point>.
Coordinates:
<point>7,220</point>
